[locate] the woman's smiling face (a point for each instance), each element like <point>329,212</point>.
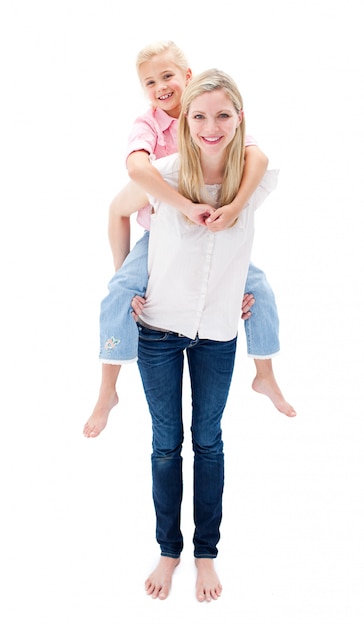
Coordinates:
<point>213,120</point>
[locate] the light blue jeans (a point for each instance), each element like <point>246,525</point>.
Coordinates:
<point>262,327</point>
<point>119,332</point>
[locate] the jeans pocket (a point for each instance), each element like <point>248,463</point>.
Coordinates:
<point>149,334</point>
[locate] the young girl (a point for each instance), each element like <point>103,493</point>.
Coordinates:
<point>207,271</point>
<point>164,73</point>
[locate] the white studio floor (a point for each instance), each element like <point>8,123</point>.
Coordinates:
<point>77,522</point>
<point>79,530</point>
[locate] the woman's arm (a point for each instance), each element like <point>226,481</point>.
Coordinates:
<point>256,163</point>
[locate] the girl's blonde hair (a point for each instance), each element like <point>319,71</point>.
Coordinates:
<point>191,183</point>
<point>159,47</point>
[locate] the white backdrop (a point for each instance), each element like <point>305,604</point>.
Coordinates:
<point>77,525</point>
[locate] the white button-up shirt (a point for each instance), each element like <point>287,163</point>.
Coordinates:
<point>196,277</point>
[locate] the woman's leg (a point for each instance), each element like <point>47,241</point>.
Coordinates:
<point>262,336</point>
<point>118,331</point>
<point>160,361</point>
<point>211,366</point>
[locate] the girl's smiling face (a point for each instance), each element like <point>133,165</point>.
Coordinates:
<point>213,120</point>
<point>163,82</point>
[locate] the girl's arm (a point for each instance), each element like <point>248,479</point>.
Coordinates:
<point>255,166</point>
<point>129,200</point>
<point>132,198</point>
<point>119,239</point>
<point>142,172</point>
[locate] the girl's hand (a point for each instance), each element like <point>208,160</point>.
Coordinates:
<point>222,218</point>
<point>198,213</point>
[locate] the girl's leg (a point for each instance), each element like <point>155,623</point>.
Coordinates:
<point>262,335</point>
<point>118,331</point>
<point>265,383</point>
<point>262,327</point>
<point>211,366</point>
<point>106,401</point>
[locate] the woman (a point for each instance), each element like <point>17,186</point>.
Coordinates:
<point>193,302</point>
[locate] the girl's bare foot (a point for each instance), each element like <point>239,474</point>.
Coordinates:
<point>98,420</point>
<point>268,386</point>
<point>208,586</point>
<point>108,398</point>
<point>158,584</point>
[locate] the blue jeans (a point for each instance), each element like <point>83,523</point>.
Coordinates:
<point>119,333</point>
<point>262,327</point>
<point>211,364</point>
<point>118,330</point>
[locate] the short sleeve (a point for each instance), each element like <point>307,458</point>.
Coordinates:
<point>142,137</point>
<point>250,141</point>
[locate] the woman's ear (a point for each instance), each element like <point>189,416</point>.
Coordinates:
<point>188,75</point>
<point>240,117</point>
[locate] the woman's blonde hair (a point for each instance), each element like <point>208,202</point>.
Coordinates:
<point>159,47</point>
<point>191,183</point>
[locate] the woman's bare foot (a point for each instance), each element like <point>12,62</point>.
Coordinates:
<point>208,586</point>
<point>267,385</point>
<point>158,584</point>
<point>98,420</point>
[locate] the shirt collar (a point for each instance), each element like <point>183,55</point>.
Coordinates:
<point>164,120</point>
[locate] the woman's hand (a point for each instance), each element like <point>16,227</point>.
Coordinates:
<point>137,305</point>
<point>246,305</point>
